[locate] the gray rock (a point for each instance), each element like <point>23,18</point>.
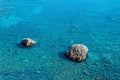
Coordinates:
<point>27,42</point>
<point>77,52</point>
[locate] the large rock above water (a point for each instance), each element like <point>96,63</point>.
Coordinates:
<point>27,42</point>
<point>77,52</point>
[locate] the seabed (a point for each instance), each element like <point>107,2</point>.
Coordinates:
<point>56,25</point>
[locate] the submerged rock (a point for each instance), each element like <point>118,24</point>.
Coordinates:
<point>77,52</point>
<point>27,42</point>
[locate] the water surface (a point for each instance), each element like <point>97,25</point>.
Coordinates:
<point>56,25</point>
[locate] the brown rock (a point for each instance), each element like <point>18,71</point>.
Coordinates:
<point>77,52</point>
<point>27,42</point>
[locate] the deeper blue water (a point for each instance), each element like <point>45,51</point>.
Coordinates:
<point>56,25</point>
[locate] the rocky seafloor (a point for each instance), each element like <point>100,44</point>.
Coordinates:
<point>55,32</point>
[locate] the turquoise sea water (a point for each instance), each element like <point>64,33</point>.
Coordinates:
<point>56,25</point>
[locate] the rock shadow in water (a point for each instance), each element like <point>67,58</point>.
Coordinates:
<point>65,57</point>
<point>23,47</point>
<point>20,46</point>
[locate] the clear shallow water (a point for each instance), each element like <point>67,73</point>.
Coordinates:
<point>56,25</point>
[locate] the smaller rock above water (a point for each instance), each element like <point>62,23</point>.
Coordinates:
<point>77,52</point>
<point>27,42</point>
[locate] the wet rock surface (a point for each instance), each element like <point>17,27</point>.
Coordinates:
<point>77,52</point>
<point>27,42</point>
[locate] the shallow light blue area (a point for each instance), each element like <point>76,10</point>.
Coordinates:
<point>56,25</point>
